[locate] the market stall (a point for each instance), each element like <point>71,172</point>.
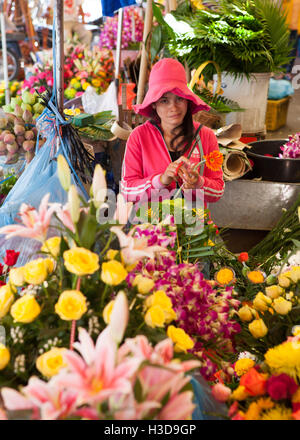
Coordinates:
<point>103,317</point>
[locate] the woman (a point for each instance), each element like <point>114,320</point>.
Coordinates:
<point>162,153</point>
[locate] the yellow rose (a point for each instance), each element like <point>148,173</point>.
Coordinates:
<point>51,362</point>
<point>159,298</point>
<point>36,271</point>
<point>107,311</point>
<point>283,280</point>
<point>245,313</point>
<point>282,306</point>
<point>261,302</point>
<point>274,291</point>
<point>170,315</point>
<point>113,273</point>
<point>239,393</point>
<point>16,276</point>
<point>71,305</point>
<point>258,328</point>
<point>4,356</point>
<point>81,261</point>
<point>25,309</point>
<point>243,365</point>
<point>182,341</point>
<point>295,274</point>
<point>111,254</point>
<point>144,284</point>
<point>6,300</point>
<point>155,317</point>
<point>52,246</point>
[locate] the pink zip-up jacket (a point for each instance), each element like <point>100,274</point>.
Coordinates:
<point>146,158</point>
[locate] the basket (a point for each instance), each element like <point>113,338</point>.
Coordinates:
<point>211,120</point>
<point>276,114</point>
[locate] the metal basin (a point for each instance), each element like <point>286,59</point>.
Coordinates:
<point>274,168</point>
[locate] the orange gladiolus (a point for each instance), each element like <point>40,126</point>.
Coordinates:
<point>214,160</point>
<point>254,382</point>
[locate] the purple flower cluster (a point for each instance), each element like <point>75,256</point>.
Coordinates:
<point>205,313</point>
<point>133,27</point>
<point>291,150</point>
<point>157,235</point>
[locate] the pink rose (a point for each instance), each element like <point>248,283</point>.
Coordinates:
<point>220,392</point>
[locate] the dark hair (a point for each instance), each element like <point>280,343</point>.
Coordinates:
<point>186,131</point>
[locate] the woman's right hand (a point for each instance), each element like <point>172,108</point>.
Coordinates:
<point>171,172</point>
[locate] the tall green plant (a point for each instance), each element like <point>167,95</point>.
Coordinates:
<point>242,36</point>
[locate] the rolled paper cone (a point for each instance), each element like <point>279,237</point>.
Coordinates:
<point>120,132</point>
<point>235,165</point>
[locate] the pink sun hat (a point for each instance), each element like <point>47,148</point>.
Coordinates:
<point>168,75</point>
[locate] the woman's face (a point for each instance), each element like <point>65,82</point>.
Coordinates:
<point>171,109</point>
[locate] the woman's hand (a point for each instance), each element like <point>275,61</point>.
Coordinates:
<point>172,171</point>
<point>190,178</point>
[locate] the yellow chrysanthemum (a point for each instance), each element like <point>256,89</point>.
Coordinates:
<point>284,358</point>
<point>253,412</point>
<point>265,403</point>
<point>277,413</point>
<point>239,393</point>
<point>243,365</point>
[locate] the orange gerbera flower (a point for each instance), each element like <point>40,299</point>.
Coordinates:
<point>214,160</point>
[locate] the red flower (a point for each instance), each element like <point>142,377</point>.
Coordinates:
<point>268,155</point>
<point>1,269</point>
<point>243,257</point>
<point>281,386</point>
<point>2,283</point>
<point>11,257</point>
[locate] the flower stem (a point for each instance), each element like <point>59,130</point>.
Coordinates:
<point>103,296</point>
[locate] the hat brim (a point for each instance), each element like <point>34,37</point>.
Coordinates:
<point>156,92</point>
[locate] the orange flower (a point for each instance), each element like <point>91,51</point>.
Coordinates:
<point>256,276</point>
<point>214,160</point>
<point>254,382</point>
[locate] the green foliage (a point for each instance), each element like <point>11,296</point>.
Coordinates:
<point>242,36</point>
<point>281,241</point>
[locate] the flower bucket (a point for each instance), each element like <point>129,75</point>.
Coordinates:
<point>251,95</point>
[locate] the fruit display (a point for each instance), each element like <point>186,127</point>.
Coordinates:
<point>18,133</point>
<point>14,87</point>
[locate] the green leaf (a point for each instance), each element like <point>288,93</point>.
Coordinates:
<point>156,42</point>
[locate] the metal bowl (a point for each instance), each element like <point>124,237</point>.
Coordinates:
<point>274,168</point>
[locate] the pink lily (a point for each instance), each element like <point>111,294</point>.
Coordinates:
<point>36,223</point>
<point>64,215</point>
<point>119,317</point>
<point>123,210</point>
<point>134,249</point>
<point>161,354</point>
<point>52,401</point>
<point>129,409</point>
<point>179,407</point>
<point>95,375</point>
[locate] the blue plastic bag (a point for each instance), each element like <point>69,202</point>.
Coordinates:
<point>279,88</point>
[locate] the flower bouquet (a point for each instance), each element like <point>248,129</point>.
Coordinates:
<point>74,280</point>
<point>94,68</point>
<point>267,389</point>
<point>106,381</point>
<point>271,315</point>
<point>132,31</point>
<point>291,149</point>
